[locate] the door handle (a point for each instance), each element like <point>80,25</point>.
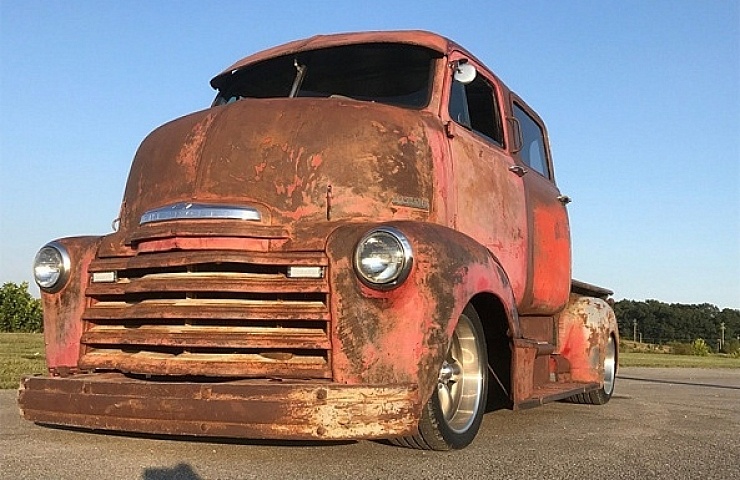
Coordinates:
<point>564,199</point>
<point>520,171</point>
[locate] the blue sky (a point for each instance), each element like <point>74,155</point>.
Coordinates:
<point>642,102</point>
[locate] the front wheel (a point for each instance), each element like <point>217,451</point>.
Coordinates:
<point>452,416</point>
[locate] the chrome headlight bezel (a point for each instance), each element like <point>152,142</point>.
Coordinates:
<point>51,267</point>
<point>398,261</point>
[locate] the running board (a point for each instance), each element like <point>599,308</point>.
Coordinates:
<point>553,392</point>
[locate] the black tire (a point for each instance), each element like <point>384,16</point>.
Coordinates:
<point>604,394</point>
<point>452,416</point>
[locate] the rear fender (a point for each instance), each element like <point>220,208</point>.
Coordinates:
<point>401,335</point>
<point>584,327</point>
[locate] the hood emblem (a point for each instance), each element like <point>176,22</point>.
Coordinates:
<point>411,202</point>
<point>200,211</point>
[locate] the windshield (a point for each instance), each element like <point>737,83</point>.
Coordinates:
<point>397,74</point>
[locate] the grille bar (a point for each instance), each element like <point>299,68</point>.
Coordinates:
<point>189,336</point>
<point>204,309</point>
<point>169,259</point>
<point>244,365</point>
<point>207,282</point>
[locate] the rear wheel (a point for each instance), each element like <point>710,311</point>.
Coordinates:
<point>602,395</point>
<point>452,416</point>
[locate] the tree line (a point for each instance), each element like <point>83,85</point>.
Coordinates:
<point>652,321</point>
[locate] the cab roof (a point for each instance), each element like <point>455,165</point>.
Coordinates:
<point>422,38</point>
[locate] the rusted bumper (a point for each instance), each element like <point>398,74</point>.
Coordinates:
<point>258,409</point>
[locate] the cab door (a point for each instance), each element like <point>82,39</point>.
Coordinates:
<point>488,193</point>
<point>548,283</point>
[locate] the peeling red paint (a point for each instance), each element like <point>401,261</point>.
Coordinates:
<point>316,161</point>
<point>193,145</point>
<point>63,310</point>
<point>584,328</point>
<point>259,168</point>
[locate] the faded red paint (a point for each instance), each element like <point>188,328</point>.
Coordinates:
<point>63,310</point>
<point>198,243</point>
<point>551,259</point>
<point>317,356</point>
<point>584,328</point>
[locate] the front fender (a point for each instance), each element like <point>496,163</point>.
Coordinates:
<point>401,335</point>
<point>63,310</point>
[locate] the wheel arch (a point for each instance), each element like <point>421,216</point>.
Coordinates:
<point>401,335</point>
<point>497,328</point>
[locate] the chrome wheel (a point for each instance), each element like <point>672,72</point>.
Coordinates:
<point>461,378</point>
<point>610,366</point>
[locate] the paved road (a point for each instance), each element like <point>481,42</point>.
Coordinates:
<point>661,423</point>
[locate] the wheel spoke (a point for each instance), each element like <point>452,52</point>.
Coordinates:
<point>445,400</point>
<point>456,371</point>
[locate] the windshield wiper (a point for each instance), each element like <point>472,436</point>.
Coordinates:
<point>300,74</point>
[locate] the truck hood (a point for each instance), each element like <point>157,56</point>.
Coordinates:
<point>294,160</point>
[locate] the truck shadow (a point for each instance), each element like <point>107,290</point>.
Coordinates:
<point>678,382</point>
<point>182,471</point>
<point>191,439</point>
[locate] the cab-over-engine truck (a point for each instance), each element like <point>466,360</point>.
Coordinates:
<point>361,238</point>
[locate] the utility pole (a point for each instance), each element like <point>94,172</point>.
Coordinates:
<point>634,330</point>
<point>722,338</point>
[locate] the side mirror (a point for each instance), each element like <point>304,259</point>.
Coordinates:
<point>464,72</point>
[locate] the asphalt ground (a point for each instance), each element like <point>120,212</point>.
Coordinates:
<point>660,424</point>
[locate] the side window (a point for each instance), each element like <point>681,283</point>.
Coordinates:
<point>474,106</point>
<point>533,142</point>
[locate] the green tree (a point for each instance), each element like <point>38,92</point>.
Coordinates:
<point>19,311</point>
<point>660,322</point>
<point>700,347</point>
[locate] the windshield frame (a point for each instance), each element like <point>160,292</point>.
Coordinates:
<point>394,73</point>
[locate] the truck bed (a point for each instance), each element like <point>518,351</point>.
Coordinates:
<point>589,290</point>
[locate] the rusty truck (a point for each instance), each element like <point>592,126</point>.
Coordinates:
<point>361,238</point>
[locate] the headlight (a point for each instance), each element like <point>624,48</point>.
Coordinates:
<point>51,267</point>
<point>383,258</point>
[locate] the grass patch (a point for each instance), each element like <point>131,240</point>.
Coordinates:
<point>23,354</point>
<point>685,361</point>
<point>20,354</point>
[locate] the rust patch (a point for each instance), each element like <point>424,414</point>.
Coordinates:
<point>402,335</point>
<point>63,310</point>
<point>243,409</point>
<point>584,327</point>
<point>192,147</point>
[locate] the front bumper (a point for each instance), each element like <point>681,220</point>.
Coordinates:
<point>255,409</point>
